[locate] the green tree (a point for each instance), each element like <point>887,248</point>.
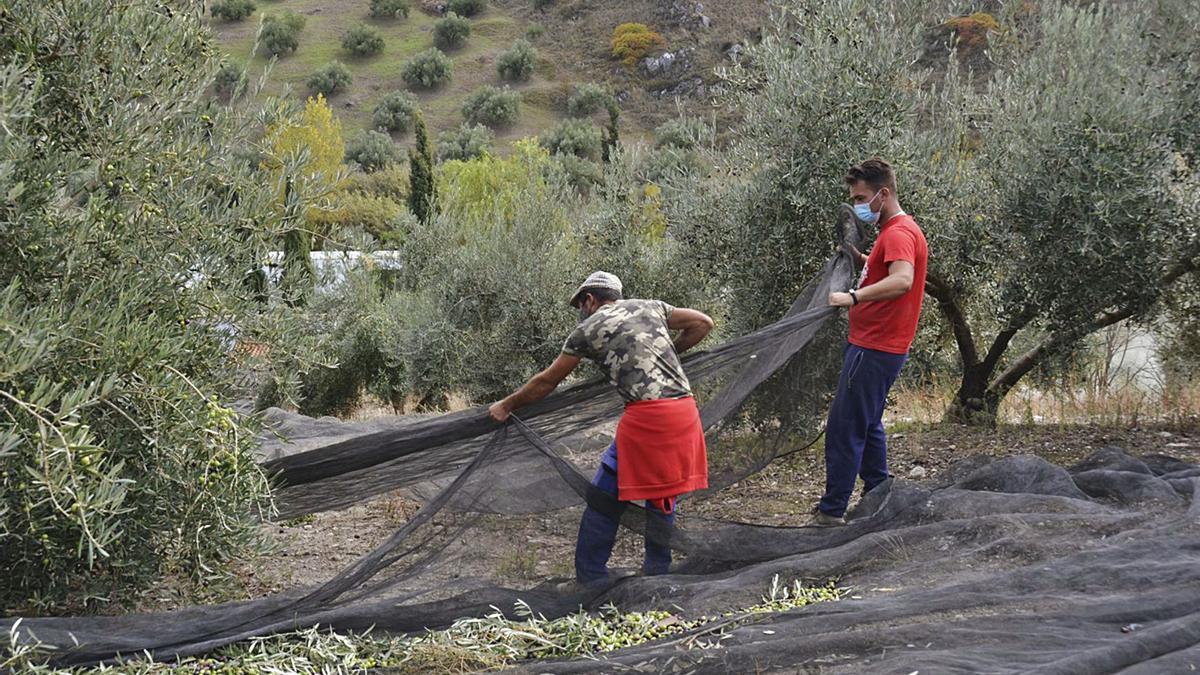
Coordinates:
<point>389,9</point>
<point>466,7</point>
<point>574,137</point>
<point>451,31</point>
<point>589,98</point>
<point>231,10</point>
<point>492,106</point>
<point>129,229</point>
<point>1084,197</point>
<point>612,133</point>
<point>465,142</point>
<point>280,33</point>
<point>1048,212</point>
<point>362,40</point>
<point>395,111</point>
<point>372,151</point>
<point>422,193</point>
<point>428,69</point>
<point>686,133</point>
<point>517,62</point>
<point>230,79</point>
<point>329,78</point>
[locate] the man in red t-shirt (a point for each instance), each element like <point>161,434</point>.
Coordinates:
<point>884,310</point>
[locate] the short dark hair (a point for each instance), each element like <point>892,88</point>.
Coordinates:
<point>601,294</point>
<point>874,172</point>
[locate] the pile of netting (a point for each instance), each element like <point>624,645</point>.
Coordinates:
<point>1010,565</point>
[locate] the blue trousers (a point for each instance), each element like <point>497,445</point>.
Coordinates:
<point>855,445</point>
<point>598,530</point>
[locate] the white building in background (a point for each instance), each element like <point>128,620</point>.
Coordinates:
<point>331,267</point>
<point>1136,359</point>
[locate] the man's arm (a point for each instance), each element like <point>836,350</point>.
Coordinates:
<point>693,326</point>
<point>898,282</point>
<point>536,389</point>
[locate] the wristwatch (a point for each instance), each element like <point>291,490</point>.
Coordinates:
<point>854,295</point>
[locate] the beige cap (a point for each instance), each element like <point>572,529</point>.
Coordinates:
<point>597,280</point>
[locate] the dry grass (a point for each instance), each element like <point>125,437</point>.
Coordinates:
<point>1124,402</point>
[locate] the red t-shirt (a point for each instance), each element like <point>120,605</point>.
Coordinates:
<point>890,325</point>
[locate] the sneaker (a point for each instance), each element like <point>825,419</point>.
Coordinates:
<point>822,519</point>
<point>614,575</point>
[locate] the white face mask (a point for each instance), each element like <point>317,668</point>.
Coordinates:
<point>863,211</point>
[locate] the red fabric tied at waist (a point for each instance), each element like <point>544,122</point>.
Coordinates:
<point>660,451</point>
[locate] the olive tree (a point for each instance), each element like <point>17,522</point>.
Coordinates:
<point>465,142</point>
<point>1087,219</point>
<point>1051,211</point>
<point>130,232</point>
<point>280,33</point>
<point>814,100</point>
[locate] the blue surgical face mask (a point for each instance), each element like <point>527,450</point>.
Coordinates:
<point>864,212</point>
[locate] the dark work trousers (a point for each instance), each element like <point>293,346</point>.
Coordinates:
<point>598,530</point>
<point>855,444</point>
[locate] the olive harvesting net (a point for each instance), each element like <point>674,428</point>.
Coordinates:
<point>1000,565</point>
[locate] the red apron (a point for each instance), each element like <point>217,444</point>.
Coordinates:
<point>660,451</point>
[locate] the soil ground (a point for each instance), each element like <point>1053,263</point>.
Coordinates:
<point>521,551</point>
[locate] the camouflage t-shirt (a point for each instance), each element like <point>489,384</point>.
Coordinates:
<point>631,340</point>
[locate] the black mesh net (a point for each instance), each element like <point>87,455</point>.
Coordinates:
<point>1005,566</point>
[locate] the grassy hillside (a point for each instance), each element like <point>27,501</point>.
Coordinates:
<point>580,31</point>
<point>573,48</point>
<point>492,32</point>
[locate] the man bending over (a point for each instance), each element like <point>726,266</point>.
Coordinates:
<point>658,453</point>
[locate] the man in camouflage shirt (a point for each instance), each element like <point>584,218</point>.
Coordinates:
<point>660,438</point>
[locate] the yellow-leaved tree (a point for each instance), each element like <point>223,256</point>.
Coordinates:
<point>304,155</point>
<point>486,188</point>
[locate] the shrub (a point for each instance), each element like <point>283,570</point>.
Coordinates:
<point>685,134</point>
<point>541,5</point>
<point>465,142</point>
<point>972,30</point>
<point>580,173</point>
<point>492,106</point>
<point>671,162</point>
<point>231,10</point>
<point>466,7</point>
<point>229,77</point>
<point>390,182</point>
<point>383,218</point>
<point>329,78</point>
<point>390,345</point>
<point>517,62</point>
<point>362,41</point>
<point>587,99</point>
<point>632,41</point>
<point>428,69</point>
<point>573,137</point>
<point>535,31</point>
<point>372,151</point>
<point>451,31</point>
<point>395,111</point>
<point>281,32</point>
<point>389,9</point>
